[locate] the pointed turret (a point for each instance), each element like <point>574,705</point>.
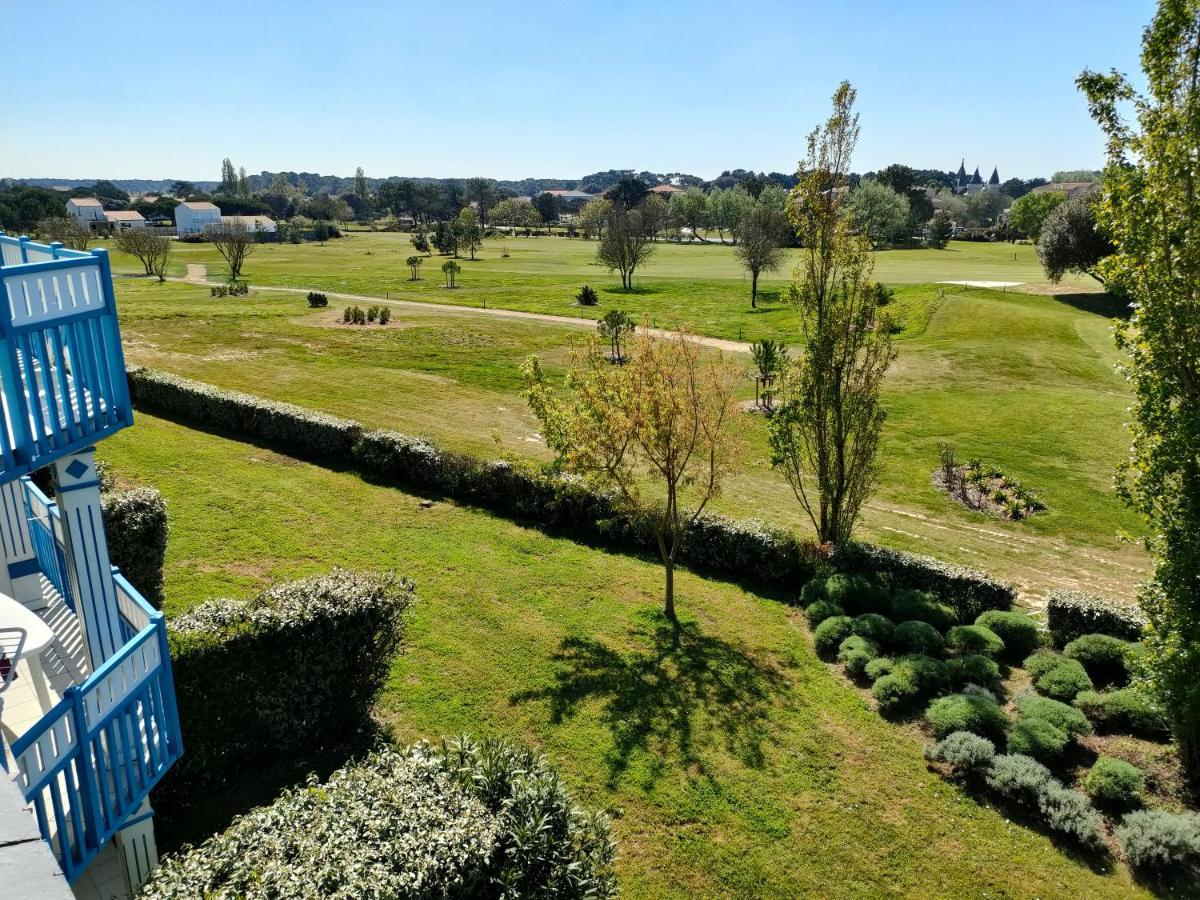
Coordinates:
<point>977,178</point>
<point>994,181</point>
<point>961,178</point>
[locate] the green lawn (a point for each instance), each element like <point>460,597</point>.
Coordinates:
<point>734,763</point>
<point>1024,381</point>
<point>699,285</point>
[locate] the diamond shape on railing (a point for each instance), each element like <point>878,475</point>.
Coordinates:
<point>77,468</point>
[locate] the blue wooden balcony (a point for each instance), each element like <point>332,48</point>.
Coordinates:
<point>62,371</point>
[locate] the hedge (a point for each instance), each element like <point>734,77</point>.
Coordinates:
<point>284,675</point>
<point>1072,614</point>
<point>135,526</point>
<point>715,543</point>
<point>462,820</point>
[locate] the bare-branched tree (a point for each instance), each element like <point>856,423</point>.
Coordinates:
<point>234,241</point>
<point>625,245</point>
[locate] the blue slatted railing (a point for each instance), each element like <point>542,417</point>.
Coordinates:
<point>45,528</point>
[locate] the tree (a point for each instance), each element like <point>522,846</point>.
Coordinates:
<point>482,193</point>
<point>468,234</point>
<point>514,213</point>
<point>825,434</point>
<point>625,244</point>
<point>229,180</point>
<point>243,184</point>
<point>594,216</point>
<point>770,359</point>
<point>420,241</point>
<point>689,209</point>
<point>1150,208</point>
<point>66,231</point>
<point>1030,212</point>
<point>983,208</point>
<point>877,212</point>
<point>450,268</point>
<point>548,207</point>
<point>628,192</point>
<point>762,233</point>
<point>1089,175</point>
<point>1019,187</point>
<point>181,189</point>
<point>614,326</point>
<point>361,190</point>
<point>414,265</point>
<point>234,242</point>
<point>151,249</point>
<point>655,214</point>
<point>663,416</point>
<point>939,230</point>
<point>1071,240</point>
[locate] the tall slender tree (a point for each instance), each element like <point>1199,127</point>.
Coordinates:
<point>361,190</point>
<point>229,179</point>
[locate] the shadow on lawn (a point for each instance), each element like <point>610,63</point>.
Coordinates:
<point>673,690</point>
<point>1108,305</point>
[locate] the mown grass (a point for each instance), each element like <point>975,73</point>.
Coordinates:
<point>733,761</point>
<point>700,285</point>
<point>1025,382</point>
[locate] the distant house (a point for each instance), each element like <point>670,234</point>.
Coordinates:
<point>264,224</point>
<point>124,218</point>
<point>571,196</point>
<point>666,190</point>
<point>193,216</point>
<point>1070,188</point>
<point>87,211</point>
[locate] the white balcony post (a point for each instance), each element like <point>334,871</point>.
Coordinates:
<point>20,577</point>
<point>88,568</point>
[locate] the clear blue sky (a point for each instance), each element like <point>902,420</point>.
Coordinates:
<point>165,90</point>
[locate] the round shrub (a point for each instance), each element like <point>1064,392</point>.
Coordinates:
<point>1069,813</point>
<point>894,692</point>
<point>1039,739</point>
<point>1064,681</point>
<point>877,668</point>
<point>963,640</point>
<point>963,712</point>
<point>1127,711</point>
<point>1102,655</point>
<point>855,652</point>
<point>918,637</point>
<point>1160,841</point>
<point>1018,777</point>
<point>973,669</point>
<point>1115,783</point>
<point>964,751</point>
<point>975,690</point>
<point>921,606</point>
<point>830,633</point>
<point>1017,630</point>
<point>1038,664</point>
<point>1060,715</point>
<point>813,591</point>
<point>857,594</point>
<point>820,610</point>
<point>927,673</point>
<point>875,627</point>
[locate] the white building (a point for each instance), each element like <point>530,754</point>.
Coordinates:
<point>87,211</point>
<point>124,218</point>
<point>264,224</point>
<point>192,217</point>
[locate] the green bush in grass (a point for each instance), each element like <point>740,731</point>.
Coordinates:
<point>973,669</point>
<point>877,668</point>
<point>1128,711</point>
<point>813,590</point>
<point>830,633</point>
<point>1039,739</point>
<point>895,692</point>
<point>1026,782</point>
<point>857,594</point>
<point>964,712</point>
<point>927,673</point>
<point>918,637</point>
<point>1161,842</point>
<point>965,751</point>
<point>1115,783</point>
<point>1017,630</point>
<point>1057,713</point>
<point>820,610</point>
<point>1019,778</point>
<point>1102,655</point>
<point>921,606</point>
<point>855,652</point>
<point>1062,682</point>
<point>963,640</point>
<point>874,626</point>
<point>1038,664</point>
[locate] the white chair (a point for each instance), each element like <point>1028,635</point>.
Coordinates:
<point>12,642</point>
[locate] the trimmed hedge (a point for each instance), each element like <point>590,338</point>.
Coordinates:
<point>1017,630</point>
<point>972,640</point>
<point>1115,783</point>
<point>284,675</point>
<point>136,527</point>
<point>918,637</point>
<point>1072,614</point>
<point>462,820</point>
<point>715,543</point>
<point>1038,738</point>
<point>1127,710</point>
<point>967,712</point>
<point>1104,656</point>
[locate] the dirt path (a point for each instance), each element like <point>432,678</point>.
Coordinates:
<point>199,277</point>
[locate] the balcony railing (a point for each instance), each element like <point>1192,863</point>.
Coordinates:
<point>62,371</point>
<point>46,530</point>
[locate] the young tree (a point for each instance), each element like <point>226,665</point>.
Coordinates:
<point>1029,214</point>
<point>614,326</point>
<point>939,230</point>
<point>1071,240</point>
<point>450,268</point>
<point>1150,208</point>
<point>877,212</point>
<point>468,234</point>
<point>594,216</point>
<point>770,359</point>
<point>763,232</point>
<point>625,244</point>
<point>420,240</point>
<point>825,434</point>
<point>690,210</point>
<point>234,243</point>
<point>151,249</point>
<point>414,266</point>
<point>655,214</point>
<point>665,414</point>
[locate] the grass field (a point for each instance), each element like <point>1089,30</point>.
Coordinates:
<point>699,285</point>
<point>734,763</point>
<point>1024,381</point>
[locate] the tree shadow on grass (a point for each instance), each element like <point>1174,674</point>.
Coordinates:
<point>1108,305</point>
<point>674,690</point>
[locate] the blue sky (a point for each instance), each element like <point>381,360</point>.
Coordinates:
<point>560,89</point>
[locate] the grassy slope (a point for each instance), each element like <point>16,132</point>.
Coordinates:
<point>735,764</point>
<point>700,285</point>
<point>1024,381</point>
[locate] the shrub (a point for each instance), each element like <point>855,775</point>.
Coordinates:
<point>135,527</point>
<point>874,626</point>
<point>464,819</point>
<point>1018,778</point>
<point>372,313</point>
<point>282,674</point>
<point>857,594</point>
<point>347,315</point>
<point>1038,664</point>
<point>965,751</point>
<point>830,633</point>
<point>1071,614</point>
<point>973,669</point>
<point>921,606</point>
<point>1064,680</point>
<point>820,610</point>
<point>855,652</point>
<point>587,296</point>
<point>385,315</point>
<point>1058,714</point>
<point>964,712</point>
<point>1038,738</point>
<point>1128,710</point>
<point>1160,841</point>
<point>927,673</point>
<point>1115,783</point>
<point>317,300</point>
<point>1017,630</point>
<point>964,640</point>
<point>877,668</point>
<point>1103,655</point>
<point>976,690</point>
<point>918,637</point>
<point>1069,813</point>
<point>814,590</point>
<point>894,692</point>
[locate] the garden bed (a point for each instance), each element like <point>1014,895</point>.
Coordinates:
<point>987,489</point>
